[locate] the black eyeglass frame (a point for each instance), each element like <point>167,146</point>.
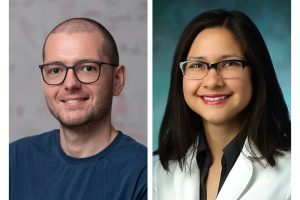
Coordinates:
<point>99,63</point>
<point>209,66</point>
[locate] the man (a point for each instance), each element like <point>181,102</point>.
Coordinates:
<point>86,158</point>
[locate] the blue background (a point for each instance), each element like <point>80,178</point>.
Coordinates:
<point>273,18</point>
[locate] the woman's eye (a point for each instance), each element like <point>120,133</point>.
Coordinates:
<point>232,63</point>
<point>197,65</point>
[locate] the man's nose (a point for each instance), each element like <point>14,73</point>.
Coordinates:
<point>71,82</point>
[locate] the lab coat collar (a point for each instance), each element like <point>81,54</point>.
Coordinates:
<point>241,174</point>
<point>187,181</point>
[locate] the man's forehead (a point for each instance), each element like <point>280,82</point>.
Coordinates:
<point>75,26</point>
<point>95,38</point>
<point>95,33</point>
<point>92,35</point>
<point>66,44</point>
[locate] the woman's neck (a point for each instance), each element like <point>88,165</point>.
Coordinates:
<point>218,136</point>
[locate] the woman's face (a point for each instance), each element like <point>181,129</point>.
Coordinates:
<point>219,101</point>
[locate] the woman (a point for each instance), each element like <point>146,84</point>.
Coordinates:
<point>226,131</point>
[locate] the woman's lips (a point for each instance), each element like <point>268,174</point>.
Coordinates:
<point>214,99</point>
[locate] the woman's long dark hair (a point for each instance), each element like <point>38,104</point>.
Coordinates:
<point>266,123</point>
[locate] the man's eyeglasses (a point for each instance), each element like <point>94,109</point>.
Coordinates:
<point>198,70</point>
<point>85,71</point>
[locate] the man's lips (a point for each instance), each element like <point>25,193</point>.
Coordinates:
<point>74,100</point>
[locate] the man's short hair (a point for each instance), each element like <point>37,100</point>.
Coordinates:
<point>83,25</point>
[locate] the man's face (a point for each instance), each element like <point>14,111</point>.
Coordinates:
<point>74,103</point>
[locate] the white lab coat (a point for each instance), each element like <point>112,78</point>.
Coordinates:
<point>247,180</point>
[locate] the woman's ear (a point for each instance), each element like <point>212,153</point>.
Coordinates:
<point>119,78</point>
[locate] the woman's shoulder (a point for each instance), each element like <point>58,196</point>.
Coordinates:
<point>159,170</point>
<point>286,156</point>
<point>163,180</point>
<point>283,162</point>
<point>177,182</point>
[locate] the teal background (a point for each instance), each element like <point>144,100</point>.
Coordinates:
<point>273,18</point>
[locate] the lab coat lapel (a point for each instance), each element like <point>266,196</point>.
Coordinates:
<point>238,178</point>
<point>187,181</point>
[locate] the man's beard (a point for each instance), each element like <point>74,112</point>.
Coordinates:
<point>92,115</point>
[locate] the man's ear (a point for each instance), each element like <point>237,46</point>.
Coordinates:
<point>119,78</point>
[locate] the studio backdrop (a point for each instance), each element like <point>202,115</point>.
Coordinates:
<point>29,23</point>
<point>273,18</point>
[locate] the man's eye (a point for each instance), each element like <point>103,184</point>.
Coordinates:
<point>54,70</point>
<point>89,68</point>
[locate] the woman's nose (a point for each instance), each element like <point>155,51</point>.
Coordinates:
<point>212,79</point>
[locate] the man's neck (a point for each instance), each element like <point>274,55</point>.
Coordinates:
<point>88,140</point>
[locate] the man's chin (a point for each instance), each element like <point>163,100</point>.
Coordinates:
<point>74,123</point>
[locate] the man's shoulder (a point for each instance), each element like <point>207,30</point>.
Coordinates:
<point>39,139</point>
<point>132,143</point>
<point>128,148</point>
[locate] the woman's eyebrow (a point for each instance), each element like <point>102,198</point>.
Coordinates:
<point>230,56</point>
<point>197,58</point>
<point>222,57</point>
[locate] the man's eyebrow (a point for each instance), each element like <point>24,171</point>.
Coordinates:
<point>78,61</point>
<point>86,60</point>
<point>54,63</point>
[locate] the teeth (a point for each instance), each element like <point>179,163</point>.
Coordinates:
<point>72,100</point>
<point>214,98</point>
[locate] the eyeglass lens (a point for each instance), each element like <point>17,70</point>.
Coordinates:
<point>225,69</point>
<point>85,72</point>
